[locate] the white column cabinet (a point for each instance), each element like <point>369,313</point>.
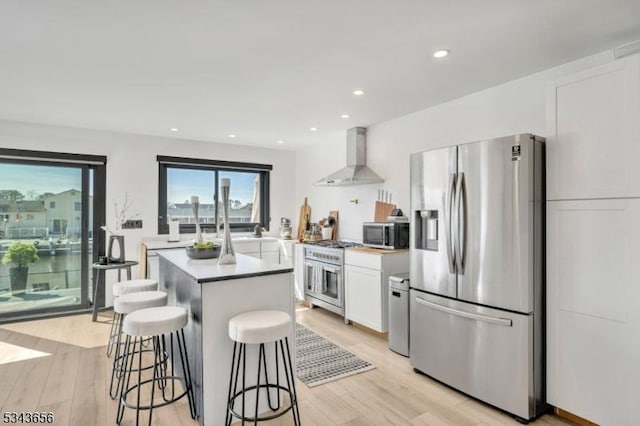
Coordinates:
<point>366,284</point>
<point>593,243</point>
<point>593,143</point>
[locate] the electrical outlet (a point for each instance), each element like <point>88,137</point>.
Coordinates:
<point>132,224</point>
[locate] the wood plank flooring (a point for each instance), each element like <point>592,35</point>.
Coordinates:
<point>72,379</point>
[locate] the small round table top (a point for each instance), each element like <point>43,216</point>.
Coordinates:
<point>114,265</point>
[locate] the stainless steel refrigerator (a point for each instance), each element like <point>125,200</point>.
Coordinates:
<point>477,270</point>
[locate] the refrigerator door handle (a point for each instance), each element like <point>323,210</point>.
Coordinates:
<point>448,223</point>
<point>470,315</point>
<point>461,212</point>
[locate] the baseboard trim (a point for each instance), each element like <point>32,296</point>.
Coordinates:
<point>573,418</point>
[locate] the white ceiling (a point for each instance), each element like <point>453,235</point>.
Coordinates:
<point>269,69</point>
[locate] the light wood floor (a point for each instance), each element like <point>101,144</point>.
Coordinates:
<point>65,371</point>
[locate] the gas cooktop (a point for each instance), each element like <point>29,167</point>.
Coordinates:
<point>333,244</point>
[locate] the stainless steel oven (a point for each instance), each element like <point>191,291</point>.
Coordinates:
<point>323,279</point>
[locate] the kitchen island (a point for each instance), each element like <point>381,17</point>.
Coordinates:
<point>212,294</point>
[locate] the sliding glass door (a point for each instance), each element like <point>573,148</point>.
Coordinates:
<point>46,235</point>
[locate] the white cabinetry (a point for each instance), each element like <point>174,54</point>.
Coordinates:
<point>270,251</point>
<point>250,248</point>
<point>298,270</point>
<point>153,265</point>
<point>592,304</point>
<point>594,133</point>
<point>286,253</point>
<point>366,281</point>
<point>593,243</point>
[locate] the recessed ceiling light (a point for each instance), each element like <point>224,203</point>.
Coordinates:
<point>280,142</point>
<point>345,116</point>
<point>313,129</point>
<point>358,92</point>
<point>440,53</point>
<point>174,129</point>
<point>232,135</point>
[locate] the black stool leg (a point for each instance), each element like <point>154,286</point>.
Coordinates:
<point>266,378</point>
<point>155,340</point>
<point>234,379</point>
<point>118,366</point>
<point>124,384</point>
<point>184,358</point>
<point>244,371</point>
<point>114,326</point>
<point>139,379</point>
<point>260,356</point>
<point>229,394</point>
<point>291,383</point>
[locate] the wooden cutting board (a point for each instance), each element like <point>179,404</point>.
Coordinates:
<point>305,214</point>
<point>334,234</point>
<point>382,210</point>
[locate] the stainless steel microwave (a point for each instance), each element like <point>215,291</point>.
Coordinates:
<point>386,235</point>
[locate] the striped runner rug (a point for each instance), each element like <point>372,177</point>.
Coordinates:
<point>320,361</point>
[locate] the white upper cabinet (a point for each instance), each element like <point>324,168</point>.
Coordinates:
<point>593,142</point>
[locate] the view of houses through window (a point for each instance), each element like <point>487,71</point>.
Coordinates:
<point>41,221</point>
<point>180,183</point>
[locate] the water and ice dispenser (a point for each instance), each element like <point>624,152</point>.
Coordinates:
<point>426,230</point>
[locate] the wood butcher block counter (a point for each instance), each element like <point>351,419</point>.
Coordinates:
<point>373,250</point>
<point>367,271</point>
<point>212,294</point>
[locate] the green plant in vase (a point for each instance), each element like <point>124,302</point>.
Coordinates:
<point>20,255</point>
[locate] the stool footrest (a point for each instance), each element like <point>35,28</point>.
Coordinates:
<point>123,399</point>
<point>280,410</point>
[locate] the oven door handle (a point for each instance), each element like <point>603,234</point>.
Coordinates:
<point>332,269</point>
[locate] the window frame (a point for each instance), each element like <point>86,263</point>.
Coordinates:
<point>216,166</point>
<point>88,163</point>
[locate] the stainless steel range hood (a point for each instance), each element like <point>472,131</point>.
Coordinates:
<point>356,172</point>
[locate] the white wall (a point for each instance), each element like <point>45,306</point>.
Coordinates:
<point>132,167</point>
<point>514,107</point>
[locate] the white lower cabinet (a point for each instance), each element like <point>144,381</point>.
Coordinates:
<point>593,313</point>
<point>250,248</point>
<point>366,283</point>
<point>271,256</point>
<point>363,294</point>
<point>286,253</point>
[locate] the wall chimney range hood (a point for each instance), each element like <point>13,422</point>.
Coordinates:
<point>356,172</point>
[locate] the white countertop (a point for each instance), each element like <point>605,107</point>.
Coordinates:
<point>208,270</point>
<point>161,241</point>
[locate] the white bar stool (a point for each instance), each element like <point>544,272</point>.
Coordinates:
<point>261,327</point>
<point>123,305</point>
<point>124,287</point>
<point>156,322</point>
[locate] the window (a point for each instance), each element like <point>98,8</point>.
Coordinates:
<point>184,178</point>
<point>58,280</point>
